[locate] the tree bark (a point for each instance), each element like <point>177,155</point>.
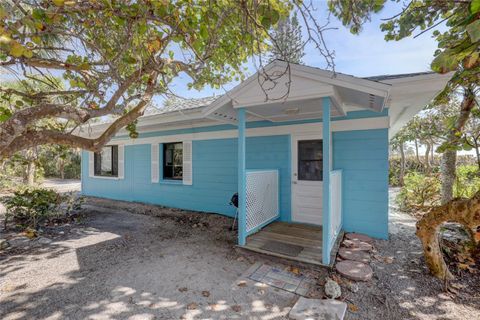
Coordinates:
<point>30,173</point>
<point>477,152</point>
<point>463,211</point>
<point>416,152</point>
<point>62,168</point>
<point>402,165</point>
<point>427,160</point>
<point>448,175</point>
<point>449,157</point>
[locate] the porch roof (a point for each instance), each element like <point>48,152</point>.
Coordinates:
<point>285,91</point>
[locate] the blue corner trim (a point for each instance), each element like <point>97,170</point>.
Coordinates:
<point>242,192</point>
<point>326,182</point>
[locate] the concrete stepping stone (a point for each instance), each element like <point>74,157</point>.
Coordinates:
<point>354,270</point>
<point>355,255</point>
<point>358,237</point>
<point>357,245</point>
<point>318,309</point>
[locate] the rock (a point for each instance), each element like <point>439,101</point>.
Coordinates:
<point>354,270</point>
<point>355,255</point>
<point>43,240</point>
<point>332,289</point>
<point>21,241</point>
<point>4,244</point>
<point>318,309</point>
<point>352,286</point>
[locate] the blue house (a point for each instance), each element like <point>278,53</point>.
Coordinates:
<point>306,150</point>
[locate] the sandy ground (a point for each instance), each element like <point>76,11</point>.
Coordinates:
<point>169,264</point>
<point>62,185</point>
<point>121,265</point>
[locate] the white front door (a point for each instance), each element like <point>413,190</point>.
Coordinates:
<point>307,167</point>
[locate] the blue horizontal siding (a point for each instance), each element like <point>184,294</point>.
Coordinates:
<point>214,175</point>
<point>363,157</point>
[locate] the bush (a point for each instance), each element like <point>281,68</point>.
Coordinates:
<point>467,182</point>
<point>419,192</point>
<point>30,207</point>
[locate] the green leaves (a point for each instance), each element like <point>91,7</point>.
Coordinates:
<point>444,63</point>
<point>473,30</point>
<point>5,114</point>
<point>475,6</point>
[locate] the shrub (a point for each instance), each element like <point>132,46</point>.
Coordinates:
<point>29,207</point>
<point>419,191</point>
<point>467,182</point>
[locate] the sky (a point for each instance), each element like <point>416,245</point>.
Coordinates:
<point>367,54</point>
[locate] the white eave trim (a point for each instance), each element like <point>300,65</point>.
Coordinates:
<point>380,89</point>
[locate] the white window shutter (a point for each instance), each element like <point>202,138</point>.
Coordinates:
<point>187,163</point>
<point>121,161</point>
<point>91,164</point>
<point>154,158</point>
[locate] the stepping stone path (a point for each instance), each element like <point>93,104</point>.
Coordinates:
<point>358,237</point>
<point>356,256</point>
<point>354,270</point>
<point>356,245</point>
<point>318,309</point>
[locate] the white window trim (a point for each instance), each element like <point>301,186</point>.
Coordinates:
<point>91,164</point>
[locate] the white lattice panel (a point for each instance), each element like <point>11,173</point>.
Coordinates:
<point>335,205</point>
<point>262,198</point>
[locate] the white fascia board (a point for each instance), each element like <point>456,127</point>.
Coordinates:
<point>149,120</point>
<point>307,128</point>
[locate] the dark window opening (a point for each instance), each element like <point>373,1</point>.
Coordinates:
<point>173,161</point>
<point>310,160</point>
<point>106,162</point>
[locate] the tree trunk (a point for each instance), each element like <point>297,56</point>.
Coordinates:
<point>463,211</point>
<point>416,152</point>
<point>402,164</point>
<point>427,161</point>
<point>449,157</point>
<point>448,175</point>
<point>30,174</point>
<point>432,155</point>
<point>62,168</point>
<point>477,152</point>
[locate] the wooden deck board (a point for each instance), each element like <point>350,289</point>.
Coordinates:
<point>307,236</point>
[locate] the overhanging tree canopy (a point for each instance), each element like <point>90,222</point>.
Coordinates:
<point>114,56</point>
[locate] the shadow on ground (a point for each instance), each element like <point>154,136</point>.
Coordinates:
<point>127,266</point>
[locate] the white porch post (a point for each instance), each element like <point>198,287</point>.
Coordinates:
<point>326,181</point>
<point>242,190</point>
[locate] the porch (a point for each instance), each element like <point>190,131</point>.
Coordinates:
<point>298,242</point>
<point>312,217</point>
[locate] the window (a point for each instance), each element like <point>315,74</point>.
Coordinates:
<point>106,162</point>
<point>173,161</point>
<point>310,160</point>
